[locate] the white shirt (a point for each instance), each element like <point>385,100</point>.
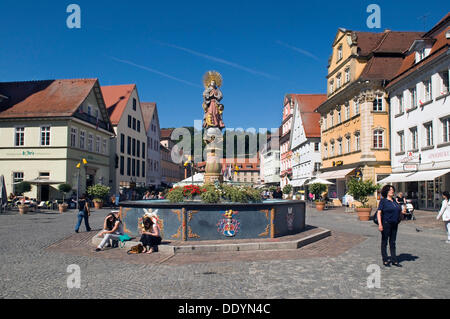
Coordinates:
<point>445,211</point>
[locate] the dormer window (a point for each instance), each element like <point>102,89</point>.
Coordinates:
<point>339,53</point>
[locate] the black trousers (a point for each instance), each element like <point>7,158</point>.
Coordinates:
<point>389,234</point>
<point>149,240</point>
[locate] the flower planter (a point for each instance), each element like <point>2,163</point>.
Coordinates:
<point>62,208</point>
<point>363,213</point>
<point>98,205</point>
<point>320,206</point>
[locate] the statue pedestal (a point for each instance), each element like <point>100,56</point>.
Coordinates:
<point>213,169</point>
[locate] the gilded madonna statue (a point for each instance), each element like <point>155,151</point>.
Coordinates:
<point>212,96</point>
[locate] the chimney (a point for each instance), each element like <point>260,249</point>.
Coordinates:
<point>387,30</point>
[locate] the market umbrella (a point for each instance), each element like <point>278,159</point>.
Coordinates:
<point>3,193</point>
<point>319,181</point>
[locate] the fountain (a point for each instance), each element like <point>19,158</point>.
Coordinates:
<point>197,221</point>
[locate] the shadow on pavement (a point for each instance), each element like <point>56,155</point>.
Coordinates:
<point>406,257</point>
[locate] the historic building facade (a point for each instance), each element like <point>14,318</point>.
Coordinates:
<point>270,161</point>
<point>47,128</point>
<point>285,138</point>
<point>151,120</point>
<point>420,119</point>
<point>305,139</point>
<point>129,148</point>
<point>355,117</point>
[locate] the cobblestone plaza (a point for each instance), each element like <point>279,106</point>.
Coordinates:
<point>37,249</point>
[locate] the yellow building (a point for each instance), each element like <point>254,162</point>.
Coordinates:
<point>355,117</point>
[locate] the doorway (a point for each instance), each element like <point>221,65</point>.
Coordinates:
<point>45,192</point>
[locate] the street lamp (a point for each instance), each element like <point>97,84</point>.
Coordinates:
<point>84,162</point>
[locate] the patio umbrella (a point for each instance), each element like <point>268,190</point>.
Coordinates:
<point>319,181</point>
<point>3,193</point>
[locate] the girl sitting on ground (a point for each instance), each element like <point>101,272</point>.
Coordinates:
<point>151,236</point>
<point>112,229</point>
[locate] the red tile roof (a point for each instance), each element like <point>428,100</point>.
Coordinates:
<point>50,98</point>
<point>116,98</point>
<point>409,64</point>
<point>148,109</point>
<point>307,103</point>
<point>166,133</point>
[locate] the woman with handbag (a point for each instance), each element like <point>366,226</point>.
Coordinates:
<point>445,214</point>
<point>83,213</point>
<point>112,230</point>
<point>389,215</point>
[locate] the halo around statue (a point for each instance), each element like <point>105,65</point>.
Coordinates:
<point>212,76</point>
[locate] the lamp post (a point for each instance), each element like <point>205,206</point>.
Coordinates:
<point>84,162</point>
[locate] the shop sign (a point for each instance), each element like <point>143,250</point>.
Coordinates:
<point>439,155</point>
<point>410,167</point>
<point>411,157</point>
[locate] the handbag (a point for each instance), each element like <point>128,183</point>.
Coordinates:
<point>122,239</point>
<point>138,249</point>
<point>375,217</point>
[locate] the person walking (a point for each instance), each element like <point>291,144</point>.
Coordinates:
<point>83,213</point>
<point>445,214</point>
<point>389,215</point>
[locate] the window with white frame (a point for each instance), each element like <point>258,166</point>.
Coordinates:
<point>340,147</point>
<point>19,136</point>
<point>347,75</point>
<point>378,104</point>
<point>427,89</point>
<point>339,117</point>
<point>97,144</point>
<point>332,148</point>
<point>428,134</point>
<point>348,143</point>
<point>401,141</point>
<point>445,130</point>
<point>82,139</point>
<point>414,138</point>
<point>325,150</point>
<point>332,119</point>
<point>90,142</point>
<point>73,136</point>
<point>444,75</point>
<point>338,81</point>
<point>401,105</point>
<point>347,111</point>
<point>378,138</point>
<point>324,122</point>
<point>331,86</point>
<point>357,141</point>
<point>316,147</point>
<point>339,53</point>
<point>413,97</point>
<point>357,107</point>
<point>104,146</point>
<point>17,179</point>
<point>45,135</point>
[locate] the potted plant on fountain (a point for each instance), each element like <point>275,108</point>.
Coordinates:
<point>64,188</point>
<point>317,189</point>
<point>21,188</point>
<point>287,189</point>
<point>99,192</point>
<point>361,190</point>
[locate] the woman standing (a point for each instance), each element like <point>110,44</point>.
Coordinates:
<point>150,235</point>
<point>83,213</point>
<point>445,213</point>
<point>389,216</point>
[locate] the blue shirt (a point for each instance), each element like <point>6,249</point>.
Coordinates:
<point>390,210</point>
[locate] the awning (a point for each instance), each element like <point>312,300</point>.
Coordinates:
<point>298,182</point>
<point>395,178</point>
<point>426,175</point>
<point>43,181</point>
<point>339,174</point>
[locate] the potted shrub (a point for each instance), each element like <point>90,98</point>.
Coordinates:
<point>99,193</point>
<point>21,188</point>
<point>317,189</point>
<point>64,188</point>
<point>361,190</point>
<point>287,189</point>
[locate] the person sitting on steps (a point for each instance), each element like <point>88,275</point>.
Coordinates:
<point>151,236</point>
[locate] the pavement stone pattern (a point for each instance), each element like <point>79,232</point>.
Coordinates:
<point>35,254</point>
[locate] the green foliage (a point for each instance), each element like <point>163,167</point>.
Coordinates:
<point>64,188</point>
<point>360,190</point>
<point>287,189</point>
<point>175,195</point>
<point>99,192</point>
<point>23,187</point>
<point>272,189</point>
<point>211,194</point>
<point>317,189</point>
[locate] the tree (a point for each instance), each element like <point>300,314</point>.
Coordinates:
<point>317,189</point>
<point>23,187</point>
<point>64,188</point>
<point>287,189</point>
<point>361,190</point>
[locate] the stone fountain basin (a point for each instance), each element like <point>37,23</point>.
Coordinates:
<point>196,221</point>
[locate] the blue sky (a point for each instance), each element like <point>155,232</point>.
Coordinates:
<point>263,49</point>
